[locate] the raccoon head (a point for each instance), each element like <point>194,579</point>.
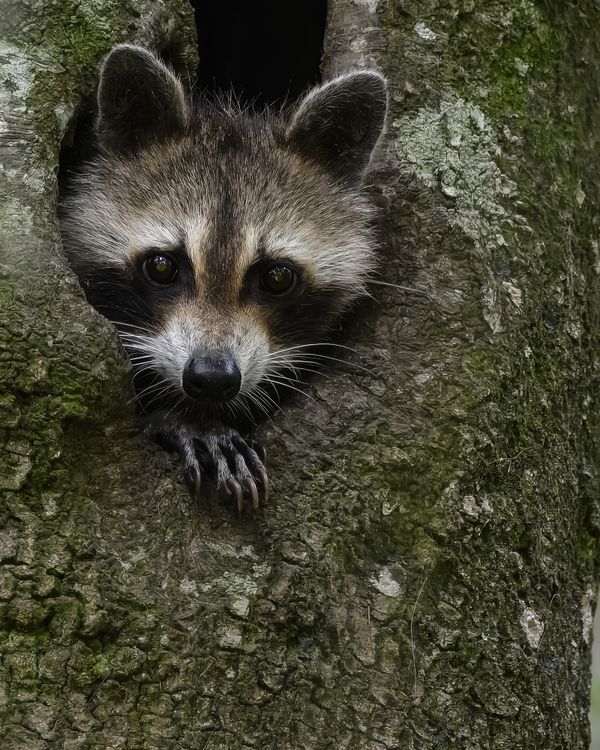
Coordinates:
<point>222,245</point>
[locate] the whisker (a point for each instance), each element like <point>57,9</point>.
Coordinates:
<point>175,405</point>
<point>159,395</point>
<point>262,399</point>
<point>137,372</point>
<point>280,373</point>
<point>270,405</point>
<point>251,398</point>
<point>281,379</point>
<point>246,409</point>
<point>140,396</point>
<point>310,346</point>
<point>229,407</point>
<point>336,359</point>
<point>142,365</point>
<point>300,368</point>
<point>135,326</point>
<point>134,338</point>
<point>399,286</point>
<point>285,364</point>
<point>163,386</point>
<point>288,385</point>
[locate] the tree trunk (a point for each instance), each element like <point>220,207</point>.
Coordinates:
<point>424,572</point>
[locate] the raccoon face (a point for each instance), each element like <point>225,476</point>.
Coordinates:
<point>221,245</point>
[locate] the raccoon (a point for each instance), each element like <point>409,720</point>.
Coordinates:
<point>223,245</point>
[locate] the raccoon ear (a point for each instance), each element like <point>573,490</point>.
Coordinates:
<point>339,123</point>
<point>140,101</point>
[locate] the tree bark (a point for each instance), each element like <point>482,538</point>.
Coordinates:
<point>424,572</point>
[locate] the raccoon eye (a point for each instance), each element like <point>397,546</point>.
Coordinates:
<point>278,280</point>
<point>160,269</point>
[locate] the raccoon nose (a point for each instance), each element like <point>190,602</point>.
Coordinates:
<point>212,376</point>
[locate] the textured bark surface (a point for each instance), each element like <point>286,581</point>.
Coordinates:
<point>423,574</point>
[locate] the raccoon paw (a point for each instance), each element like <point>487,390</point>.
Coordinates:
<point>235,466</point>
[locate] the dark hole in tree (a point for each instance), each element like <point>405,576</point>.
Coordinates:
<point>266,51</point>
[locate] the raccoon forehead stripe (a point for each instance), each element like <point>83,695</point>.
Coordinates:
<point>231,247</point>
<point>196,231</point>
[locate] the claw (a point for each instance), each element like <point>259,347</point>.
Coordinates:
<point>261,452</point>
<point>264,480</point>
<point>250,486</point>
<point>194,478</point>
<point>235,489</point>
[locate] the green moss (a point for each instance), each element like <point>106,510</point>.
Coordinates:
<point>101,667</point>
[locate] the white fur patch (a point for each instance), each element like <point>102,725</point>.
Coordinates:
<point>186,334</point>
<point>146,233</point>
